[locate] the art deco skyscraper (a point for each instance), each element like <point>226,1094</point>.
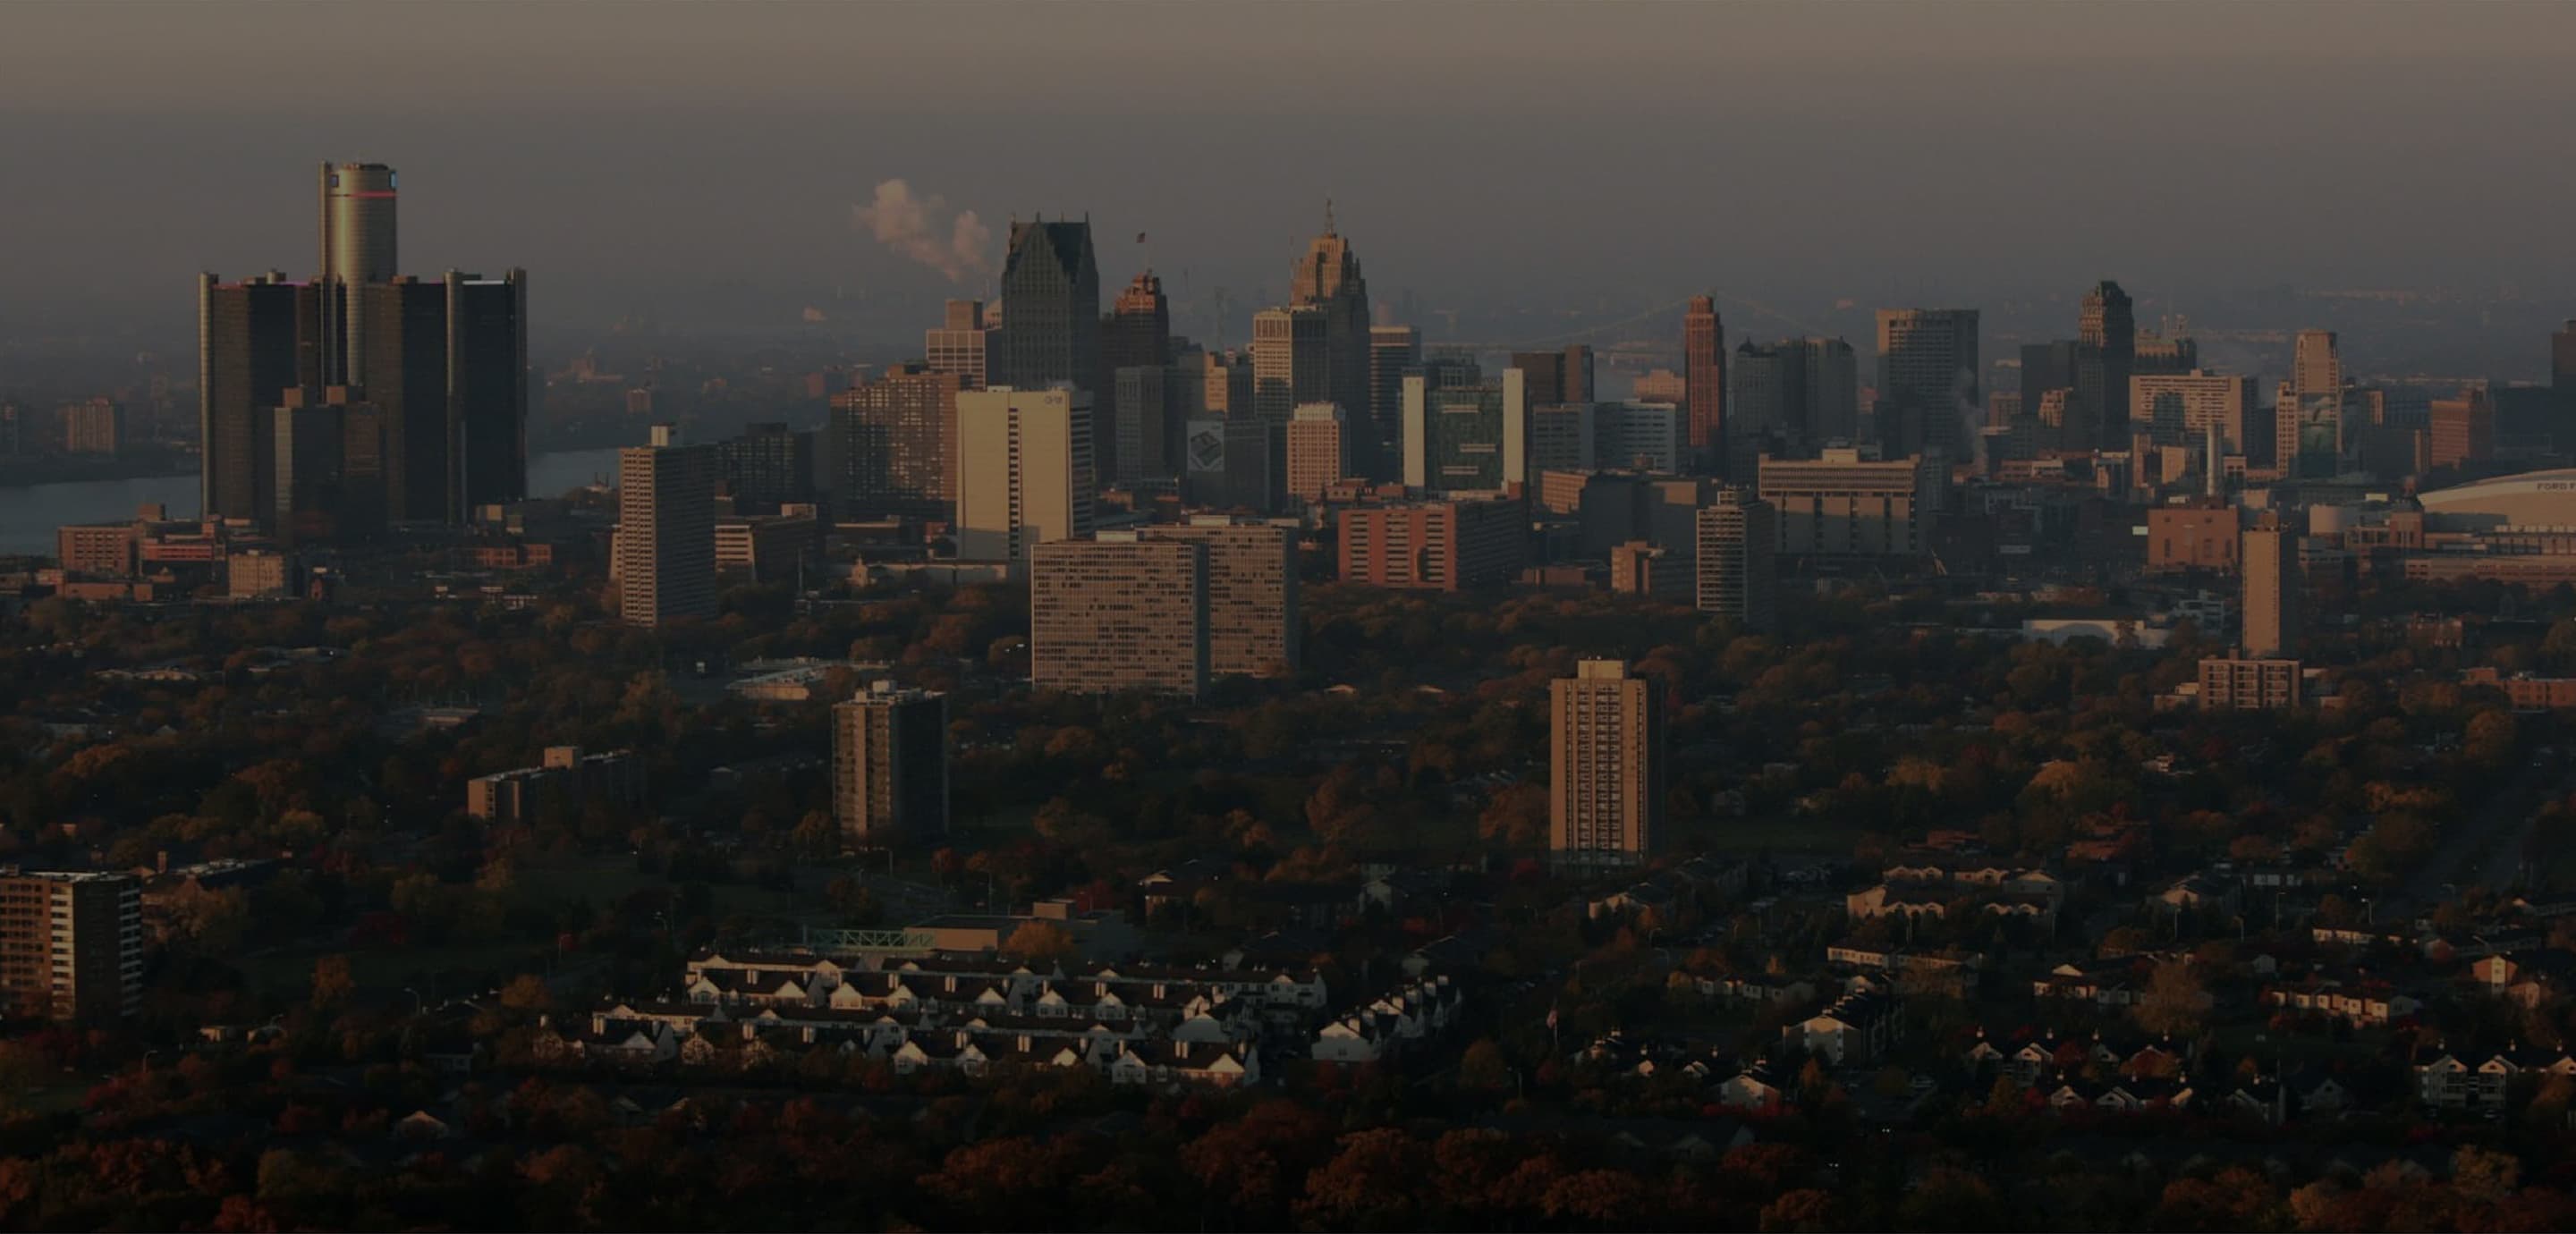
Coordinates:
<point>666,531</point>
<point>1704,378</point>
<point>1328,278</point>
<point>890,767</point>
<point>1605,788</point>
<point>357,248</point>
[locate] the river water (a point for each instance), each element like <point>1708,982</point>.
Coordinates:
<point>29,515</point>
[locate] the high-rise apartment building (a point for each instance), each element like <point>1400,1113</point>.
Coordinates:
<point>256,340</point>
<point>71,946</point>
<point>960,345</point>
<point>1927,379</point>
<point>1466,438</point>
<point>890,767</point>
<point>1291,360</point>
<point>1050,309</point>
<point>2229,683</point>
<point>1434,546</point>
<point>1024,474</point>
<point>1393,352</point>
<point>1252,622</point>
<point>894,444</point>
<point>1319,453</point>
<point>1605,763</point>
<point>2106,348</point>
<point>1328,279</point>
<point>1843,504</point>
<point>2270,562</point>
<point>1704,377</point>
<point>1737,578</point>
<point>2179,408</point>
<point>666,531</point>
<point>769,465</point>
<point>357,248</point>
<point>1117,613</point>
<point>93,426</point>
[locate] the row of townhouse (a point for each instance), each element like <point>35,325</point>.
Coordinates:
<point>1858,1028</point>
<point>1419,1009</point>
<point>2049,1058</point>
<point>2466,1082</point>
<point>2124,1096</point>
<point>1195,1052</point>
<point>2370,1004</point>
<point>1933,889</point>
<point>944,980</point>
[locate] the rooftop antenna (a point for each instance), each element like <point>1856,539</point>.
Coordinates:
<point>1328,216</point>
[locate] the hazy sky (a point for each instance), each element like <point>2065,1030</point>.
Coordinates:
<point>635,154</point>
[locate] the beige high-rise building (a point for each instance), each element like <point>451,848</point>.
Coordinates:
<point>1605,792</point>
<point>2307,411</point>
<point>1023,471</point>
<point>1736,575</point>
<point>1251,593</point>
<point>71,946</point>
<point>1318,451</point>
<point>960,344</point>
<point>890,767</point>
<point>2271,601</point>
<point>1119,613</point>
<point>666,531</point>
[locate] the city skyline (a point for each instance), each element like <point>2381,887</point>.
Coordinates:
<point>2226,94</point>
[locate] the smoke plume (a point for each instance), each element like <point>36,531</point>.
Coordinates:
<point>913,226</point>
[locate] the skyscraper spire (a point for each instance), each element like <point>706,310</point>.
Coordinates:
<point>1328,216</point>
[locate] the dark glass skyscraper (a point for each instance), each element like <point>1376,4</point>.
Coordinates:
<point>1050,308</point>
<point>405,347</point>
<point>487,390</point>
<point>256,341</point>
<point>2106,345</point>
